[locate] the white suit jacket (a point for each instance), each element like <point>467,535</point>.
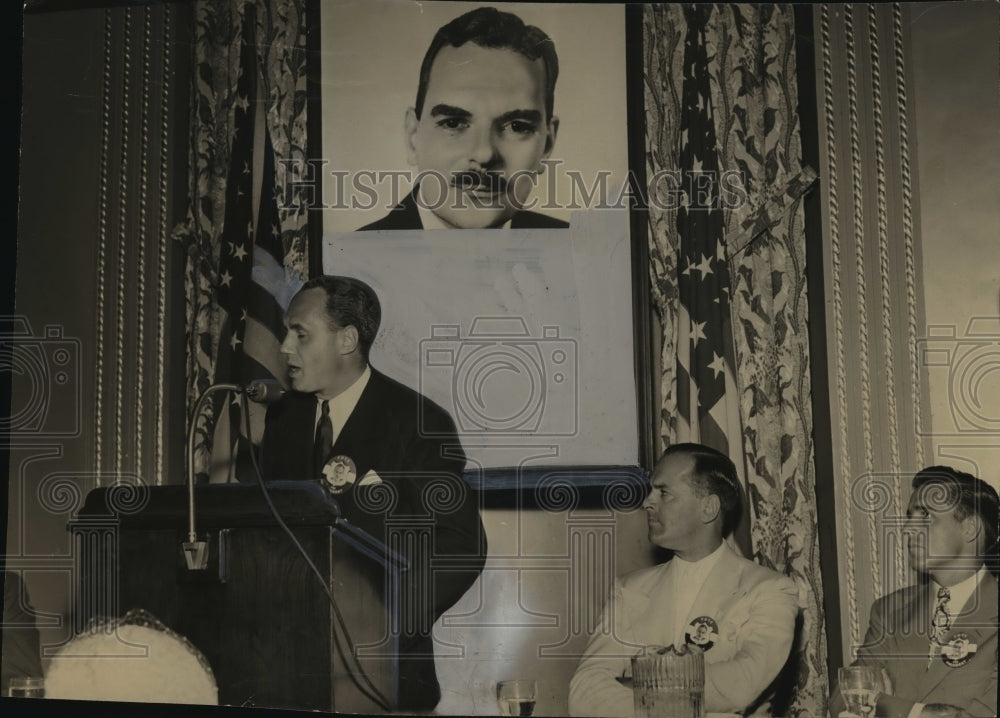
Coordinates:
<point>754,608</point>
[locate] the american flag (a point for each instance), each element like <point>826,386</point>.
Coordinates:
<point>707,399</point>
<point>250,261</point>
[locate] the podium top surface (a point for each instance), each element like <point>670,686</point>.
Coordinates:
<point>217,506</point>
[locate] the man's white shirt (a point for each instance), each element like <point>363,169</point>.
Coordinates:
<point>689,577</point>
<point>342,405</point>
<point>429,220</point>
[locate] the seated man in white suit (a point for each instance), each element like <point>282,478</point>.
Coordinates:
<point>741,614</point>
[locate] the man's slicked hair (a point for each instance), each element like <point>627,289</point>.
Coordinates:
<point>350,303</point>
<point>949,488</point>
<point>495,30</point>
<point>714,473</point>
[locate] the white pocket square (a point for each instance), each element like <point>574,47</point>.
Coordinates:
<point>370,478</point>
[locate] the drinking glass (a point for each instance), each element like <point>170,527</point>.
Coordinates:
<point>21,687</point>
<point>669,682</point>
<point>516,697</point>
<point>860,686</point>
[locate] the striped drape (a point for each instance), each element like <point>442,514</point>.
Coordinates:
<point>875,317</point>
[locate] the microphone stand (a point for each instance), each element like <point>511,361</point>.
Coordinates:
<point>195,551</point>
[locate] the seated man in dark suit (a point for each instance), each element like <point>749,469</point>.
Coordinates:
<point>937,640</point>
<point>369,438</point>
<point>481,126</point>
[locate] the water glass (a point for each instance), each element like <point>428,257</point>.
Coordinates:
<point>22,687</point>
<point>516,697</point>
<point>860,687</point>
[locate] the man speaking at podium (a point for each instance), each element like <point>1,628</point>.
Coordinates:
<point>388,455</point>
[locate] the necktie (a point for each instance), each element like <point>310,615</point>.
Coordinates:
<point>940,623</point>
<point>324,440</point>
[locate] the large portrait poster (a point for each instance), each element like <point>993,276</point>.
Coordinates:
<point>481,193</point>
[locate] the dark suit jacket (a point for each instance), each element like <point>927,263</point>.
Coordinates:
<point>405,215</point>
<point>411,443</point>
<point>898,641</point>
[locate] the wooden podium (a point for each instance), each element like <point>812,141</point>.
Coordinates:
<point>258,612</point>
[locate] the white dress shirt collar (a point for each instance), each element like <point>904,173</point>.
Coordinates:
<point>429,220</point>
<point>960,593</point>
<point>342,405</point>
<point>689,577</point>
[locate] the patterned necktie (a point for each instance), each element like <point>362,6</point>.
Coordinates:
<point>324,441</point>
<point>940,623</point>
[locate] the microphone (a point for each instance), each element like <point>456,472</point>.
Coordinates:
<point>264,391</point>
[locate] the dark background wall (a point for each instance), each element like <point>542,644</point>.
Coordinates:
<point>82,159</point>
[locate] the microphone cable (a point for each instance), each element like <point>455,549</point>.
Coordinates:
<point>372,692</point>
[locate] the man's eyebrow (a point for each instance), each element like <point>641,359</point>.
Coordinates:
<point>526,115</point>
<point>449,111</point>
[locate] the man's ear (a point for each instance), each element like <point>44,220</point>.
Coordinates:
<point>972,528</point>
<point>410,125</point>
<point>550,142</point>
<point>348,339</point>
<point>711,507</point>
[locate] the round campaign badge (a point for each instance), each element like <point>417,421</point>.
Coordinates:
<point>339,474</point>
<point>958,651</point>
<point>702,632</point>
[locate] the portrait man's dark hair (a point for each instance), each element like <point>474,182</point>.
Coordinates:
<point>714,473</point>
<point>490,28</point>
<point>350,303</point>
<point>949,488</point>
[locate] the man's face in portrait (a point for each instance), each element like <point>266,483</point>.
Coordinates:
<point>484,116</point>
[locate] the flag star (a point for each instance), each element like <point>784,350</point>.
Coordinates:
<point>697,332</point>
<point>695,164</point>
<point>250,229</point>
<point>705,266</point>
<point>720,251</point>
<point>718,365</point>
<point>687,269</point>
<point>246,168</point>
<point>242,102</point>
<point>226,278</point>
<point>275,231</point>
<point>239,252</point>
<point>239,192</point>
<point>234,341</point>
<point>244,317</point>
